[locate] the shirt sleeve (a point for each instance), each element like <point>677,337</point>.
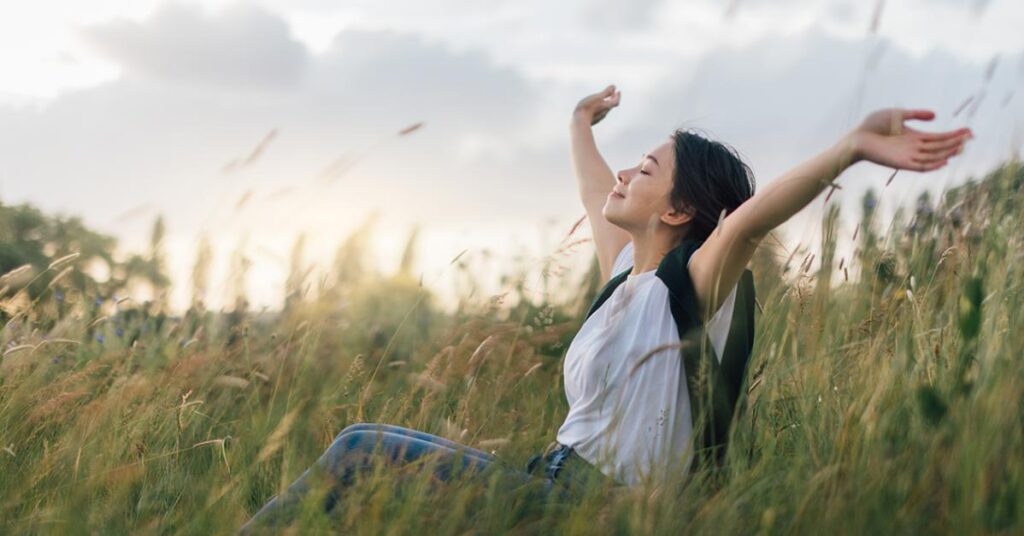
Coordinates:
<point>624,259</point>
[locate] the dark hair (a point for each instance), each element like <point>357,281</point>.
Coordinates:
<point>709,177</point>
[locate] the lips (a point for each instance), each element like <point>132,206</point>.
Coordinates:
<point>616,193</point>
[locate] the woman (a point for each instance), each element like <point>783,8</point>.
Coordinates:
<point>673,235</point>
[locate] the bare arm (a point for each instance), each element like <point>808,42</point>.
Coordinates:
<point>594,177</point>
<point>881,138</point>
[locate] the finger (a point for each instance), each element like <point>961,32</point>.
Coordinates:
<point>942,145</point>
<point>923,166</point>
<point>918,113</point>
<point>926,160</point>
<point>938,136</point>
<point>955,151</point>
<point>600,95</point>
<point>935,165</point>
<point>922,156</point>
<point>931,158</point>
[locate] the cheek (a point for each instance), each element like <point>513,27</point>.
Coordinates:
<point>647,194</point>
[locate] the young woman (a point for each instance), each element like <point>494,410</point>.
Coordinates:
<point>673,235</point>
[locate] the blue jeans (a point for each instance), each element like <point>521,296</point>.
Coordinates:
<point>354,449</point>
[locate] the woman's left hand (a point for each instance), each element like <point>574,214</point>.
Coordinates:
<point>882,138</point>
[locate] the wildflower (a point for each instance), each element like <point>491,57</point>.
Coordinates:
<point>59,295</point>
<point>100,338</point>
<point>119,331</point>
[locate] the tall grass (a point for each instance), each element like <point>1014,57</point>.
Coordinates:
<point>886,394</point>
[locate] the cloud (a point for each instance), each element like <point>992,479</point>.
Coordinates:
<point>494,145</point>
<point>141,139</point>
<point>610,14</point>
<point>383,74</point>
<point>240,46</point>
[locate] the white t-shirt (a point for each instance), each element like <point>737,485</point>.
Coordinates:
<point>626,425</point>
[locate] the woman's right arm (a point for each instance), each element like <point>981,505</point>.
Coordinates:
<point>594,176</point>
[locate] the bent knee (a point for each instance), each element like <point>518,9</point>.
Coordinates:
<point>365,436</point>
<point>360,427</point>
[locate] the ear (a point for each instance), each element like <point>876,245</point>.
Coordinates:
<point>674,217</point>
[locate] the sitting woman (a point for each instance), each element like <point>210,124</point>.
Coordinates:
<point>673,234</point>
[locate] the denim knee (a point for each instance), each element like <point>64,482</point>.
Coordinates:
<point>348,451</point>
<point>358,427</point>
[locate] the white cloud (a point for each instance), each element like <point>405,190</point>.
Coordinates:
<point>241,46</point>
<point>159,135</point>
<point>494,86</point>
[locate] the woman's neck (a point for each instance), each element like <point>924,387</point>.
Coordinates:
<point>650,248</point>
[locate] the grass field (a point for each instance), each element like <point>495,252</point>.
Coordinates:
<point>891,401</point>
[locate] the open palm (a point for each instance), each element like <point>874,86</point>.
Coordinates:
<point>882,138</point>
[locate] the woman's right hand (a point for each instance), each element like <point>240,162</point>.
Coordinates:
<point>593,108</point>
<point>883,139</point>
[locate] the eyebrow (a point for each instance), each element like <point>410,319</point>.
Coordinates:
<point>652,158</point>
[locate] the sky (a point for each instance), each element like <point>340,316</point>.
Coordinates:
<point>269,119</point>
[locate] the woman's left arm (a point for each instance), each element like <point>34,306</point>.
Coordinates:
<point>882,138</point>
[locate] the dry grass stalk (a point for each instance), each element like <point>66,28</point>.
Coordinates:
<point>277,437</point>
<point>231,381</point>
<point>494,443</point>
<point>66,258</point>
<point>482,351</point>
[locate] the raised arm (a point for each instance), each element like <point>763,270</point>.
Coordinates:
<point>594,176</point>
<point>882,138</point>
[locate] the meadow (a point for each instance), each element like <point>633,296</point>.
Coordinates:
<point>885,395</point>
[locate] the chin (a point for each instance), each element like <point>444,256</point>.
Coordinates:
<point>607,213</point>
<point>610,216</point>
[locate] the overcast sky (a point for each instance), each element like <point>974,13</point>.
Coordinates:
<point>117,111</point>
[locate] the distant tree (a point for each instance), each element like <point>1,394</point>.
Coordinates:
<point>30,243</point>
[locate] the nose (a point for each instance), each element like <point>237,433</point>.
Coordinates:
<point>622,176</point>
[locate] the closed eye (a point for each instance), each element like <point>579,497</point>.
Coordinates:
<point>642,158</point>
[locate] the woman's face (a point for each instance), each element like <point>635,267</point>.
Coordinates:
<point>645,190</point>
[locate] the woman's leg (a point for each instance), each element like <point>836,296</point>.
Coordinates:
<point>358,446</point>
<point>355,449</point>
<point>414,433</point>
